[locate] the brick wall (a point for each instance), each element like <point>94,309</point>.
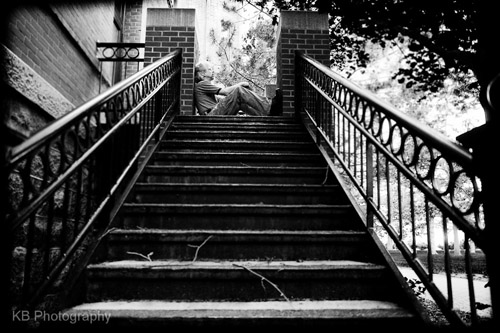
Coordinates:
<point>307,32</point>
<point>132,24</point>
<point>170,29</point>
<point>132,28</point>
<point>52,55</point>
<point>58,43</point>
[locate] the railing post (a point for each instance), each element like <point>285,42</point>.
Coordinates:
<point>298,85</point>
<point>480,140</point>
<point>369,184</point>
<point>158,110</point>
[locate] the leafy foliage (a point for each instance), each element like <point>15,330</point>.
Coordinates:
<point>442,35</point>
<point>254,62</point>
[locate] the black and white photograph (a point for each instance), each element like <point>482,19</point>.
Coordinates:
<point>229,165</point>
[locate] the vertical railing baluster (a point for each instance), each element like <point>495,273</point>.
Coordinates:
<point>362,130</point>
<point>430,246</point>
<point>377,178</point>
<point>400,206</point>
<point>64,179</point>
<point>369,184</point>
<point>470,282</point>
<point>388,189</point>
<point>28,259</point>
<point>447,263</point>
<point>48,234</point>
<point>412,220</point>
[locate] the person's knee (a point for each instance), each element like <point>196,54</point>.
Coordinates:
<point>239,90</point>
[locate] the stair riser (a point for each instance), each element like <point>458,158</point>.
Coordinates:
<point>238,146</point>
<point>239,135</point>
<point>253,127</point>
<point>358,320</point>
<point>236,120</point>
<point>234,197</point>
<point>246,249</point>
<point>236,285</point>
<point>241,221</point>
<point>313,178</point>
<point>228,160</point>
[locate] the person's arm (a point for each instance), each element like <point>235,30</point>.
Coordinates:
<point>227,90</point>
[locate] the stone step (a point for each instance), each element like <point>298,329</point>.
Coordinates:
<point>238,244</point>
<point>277,194</point>
<point>235,119</point>
<point>327,314</point>
<point>241,134</point>
<point>248,126</point>
<point>237,145</point>
<point>238,217</point>
<point>173,157</point>
<point>238,280</point>
<point>236,174</point>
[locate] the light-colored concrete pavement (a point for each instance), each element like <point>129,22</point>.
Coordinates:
<point>460,291</point>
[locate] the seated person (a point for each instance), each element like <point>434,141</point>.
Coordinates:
<point>236,97</point>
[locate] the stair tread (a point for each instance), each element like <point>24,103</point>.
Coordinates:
<point>225,186</point>
<point>196,205</point>
<point>239,141</point>
<point>235,236</point>
<point>299,132</point>
<point>320,255</point>
<point>248,125</point>
<point>220,168</point>
<point>227,118</point>
<point>301,233</point>
<point>228,309</point>
<point>238,154</point>
<point>262,208</point>
<point>235,265</point>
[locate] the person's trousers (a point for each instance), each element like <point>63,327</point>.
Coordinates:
<point>243,99</point>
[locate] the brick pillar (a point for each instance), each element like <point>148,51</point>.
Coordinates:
<point>304,31</point>
<point>168,29</point>
<point>132,32</point>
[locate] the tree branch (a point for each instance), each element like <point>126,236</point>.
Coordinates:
<point>148,257</point>
<point>198,247</point>
<point>238,72</point>
<point>264,279</point>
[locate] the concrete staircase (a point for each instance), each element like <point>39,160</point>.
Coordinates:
<point>236,222</point>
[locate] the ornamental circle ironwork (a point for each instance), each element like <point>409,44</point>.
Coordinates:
<point>423,163</point>
<point>396,140</point>
<point>385,131</point>
<point>441,176</point>
<point>462,192</point>
<point>408,149</point>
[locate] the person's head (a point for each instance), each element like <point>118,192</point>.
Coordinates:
<point>203,71</point>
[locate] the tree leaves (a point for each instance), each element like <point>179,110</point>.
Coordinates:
<point>442,34</point>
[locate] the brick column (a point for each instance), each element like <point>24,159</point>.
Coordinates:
<point>168,29</point>
<point>132,32</point>
<point>304,31</point>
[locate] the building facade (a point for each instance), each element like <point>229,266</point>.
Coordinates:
<point>51,62</point>
<point>50,58</point>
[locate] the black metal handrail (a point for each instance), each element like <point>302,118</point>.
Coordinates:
<point>405,177</point>
<point>69,179</point>
<point>126,56</point>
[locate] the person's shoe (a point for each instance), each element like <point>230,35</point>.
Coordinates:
<point>277,104</point>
